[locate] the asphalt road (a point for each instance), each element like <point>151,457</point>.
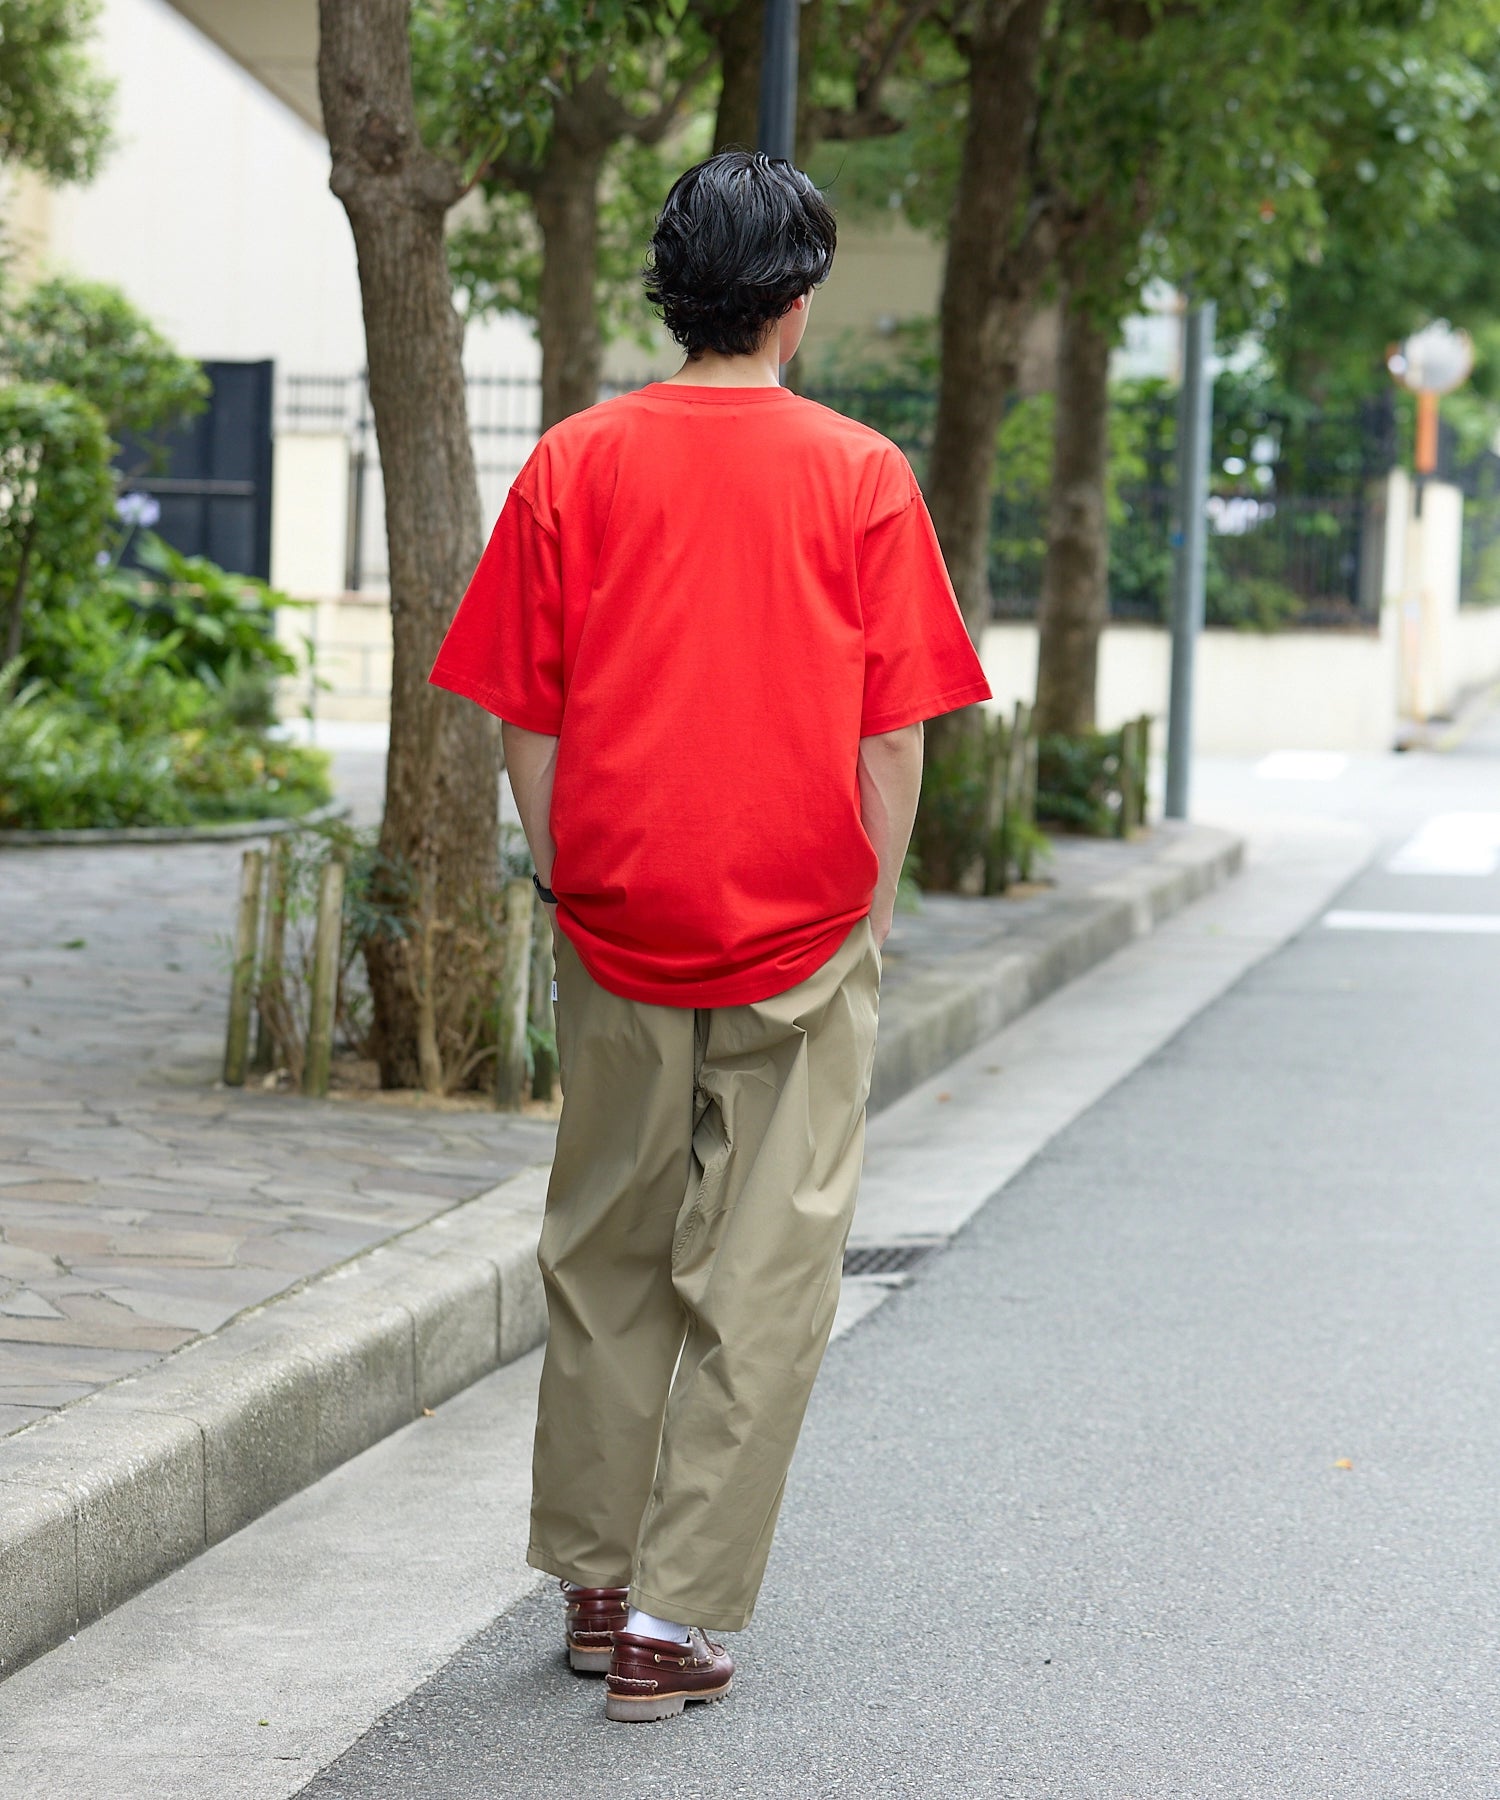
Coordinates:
<point>1176,1475</point>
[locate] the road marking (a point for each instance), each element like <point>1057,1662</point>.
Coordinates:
<point>1459,843</point>
<point>1485,923</point>
<point>1301,765</point>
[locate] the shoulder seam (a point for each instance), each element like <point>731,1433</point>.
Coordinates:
<point>530,504</point>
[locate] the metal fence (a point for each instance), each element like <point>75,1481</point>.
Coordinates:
<point>1479,480</point>
<point>1295,514</point>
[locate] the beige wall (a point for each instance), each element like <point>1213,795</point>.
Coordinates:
<point>213,212</point>
<point>1290,690</point>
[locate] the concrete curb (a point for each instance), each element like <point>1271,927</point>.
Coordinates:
<point>119,1489</point>
<point>231,832</point>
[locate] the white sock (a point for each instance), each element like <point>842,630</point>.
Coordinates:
<point>641,1624</point>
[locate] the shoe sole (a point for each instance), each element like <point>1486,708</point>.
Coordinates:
<point>627,1711</point>
<point>588,1662</point>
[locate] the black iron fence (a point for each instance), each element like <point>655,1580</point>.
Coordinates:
<point>1478,478</point>
<point>1296,512</point>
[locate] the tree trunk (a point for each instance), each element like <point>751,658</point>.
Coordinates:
<point>1075,581</point>
<point>438,838</point>
<point>565,197</point>
<point>738,31</point>
<point>985,298</point>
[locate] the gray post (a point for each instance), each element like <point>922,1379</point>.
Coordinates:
<point>1195,406</point>
<point>777,133</point>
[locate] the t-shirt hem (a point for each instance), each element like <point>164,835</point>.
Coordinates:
<point>494,700</point>
<point>931,708</point>
<point>747,989</point>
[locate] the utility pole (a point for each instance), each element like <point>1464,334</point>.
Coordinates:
<point>777,135</point>
<point>1195,412</point>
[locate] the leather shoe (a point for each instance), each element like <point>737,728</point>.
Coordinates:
<point>594,1615</point>
<point>654,1678</point>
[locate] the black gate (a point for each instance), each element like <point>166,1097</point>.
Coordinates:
<point>212,476</point>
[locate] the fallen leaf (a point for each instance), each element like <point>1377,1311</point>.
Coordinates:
<point>426,1412</point>
<point>1343,1463</point>
<point>945,1096</point>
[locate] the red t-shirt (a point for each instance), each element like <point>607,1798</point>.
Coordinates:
<point>709,596</point>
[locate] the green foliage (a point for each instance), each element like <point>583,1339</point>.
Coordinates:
<point>955,846</point>
<point>225,772</point>
<point>1078,782</point>
<point>56,490</point>
<point>90,338</point>
<point>952,828</point>
<point>62,767</point>
<point>54,103</point>
<point>219,624</point>
<point>488,76</point>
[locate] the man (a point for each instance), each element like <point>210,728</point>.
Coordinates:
<point>712,618</point>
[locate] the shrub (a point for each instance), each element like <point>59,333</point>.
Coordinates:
<point>56,490</point>
<point>89,337</point>
<point>1078,781</point>
<point>61,768</point>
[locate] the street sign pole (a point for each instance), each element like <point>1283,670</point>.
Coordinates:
<point>1195,404</point>
<point>778,81</point>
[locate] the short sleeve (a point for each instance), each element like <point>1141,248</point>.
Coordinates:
<point>504,647</point>
<point>919,661</point>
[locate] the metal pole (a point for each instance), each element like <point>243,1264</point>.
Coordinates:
<point>777,134</point>
<point>1195,405</point>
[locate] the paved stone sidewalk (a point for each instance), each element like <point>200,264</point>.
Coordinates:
<point>141,1204</point>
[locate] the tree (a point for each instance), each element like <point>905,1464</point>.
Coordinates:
<point>88,336</point>
<point>554,110</point>
<point>54,104</point>
<point>438,839</point>
<point>999,251</point>
<point>1214,145</point>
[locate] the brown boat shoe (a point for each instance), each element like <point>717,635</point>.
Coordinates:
<point>654,1678</point>
<point>594,1615</point>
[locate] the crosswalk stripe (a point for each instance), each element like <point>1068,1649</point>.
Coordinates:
<point>1483,923</point>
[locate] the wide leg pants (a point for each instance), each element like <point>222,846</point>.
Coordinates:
<point>706,1171</point>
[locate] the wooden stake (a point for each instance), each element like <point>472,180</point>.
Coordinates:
<point>271,1000</point>
<point>515,991</point>
<point>1130,787</point>
<point>996,753</point>
<point>242,977</point>
<point>327,943</point>
<point>1143,768</point>
<point>1030,757</point>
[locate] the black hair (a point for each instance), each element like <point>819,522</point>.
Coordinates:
<point>738,238</point>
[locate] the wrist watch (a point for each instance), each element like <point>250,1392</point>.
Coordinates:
<point>544,894</point>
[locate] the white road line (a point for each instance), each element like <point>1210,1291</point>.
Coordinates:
<point>1457,843</point>
<point>1484,923</point>
<point>1302,765</point>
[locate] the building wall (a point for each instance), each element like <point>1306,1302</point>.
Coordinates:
<point>1254,692</point>
<point>213,213</point>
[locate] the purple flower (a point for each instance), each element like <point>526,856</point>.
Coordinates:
<point>138,509</point>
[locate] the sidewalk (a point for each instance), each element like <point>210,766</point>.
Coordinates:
<point>141,1206</point>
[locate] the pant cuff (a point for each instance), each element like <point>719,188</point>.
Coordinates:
<point>707,1619</point>
<point>541,1559</point>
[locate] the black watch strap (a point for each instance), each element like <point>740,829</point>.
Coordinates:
<point>544,894</point>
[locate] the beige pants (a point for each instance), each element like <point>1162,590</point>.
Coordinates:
<point>706,1170</point>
